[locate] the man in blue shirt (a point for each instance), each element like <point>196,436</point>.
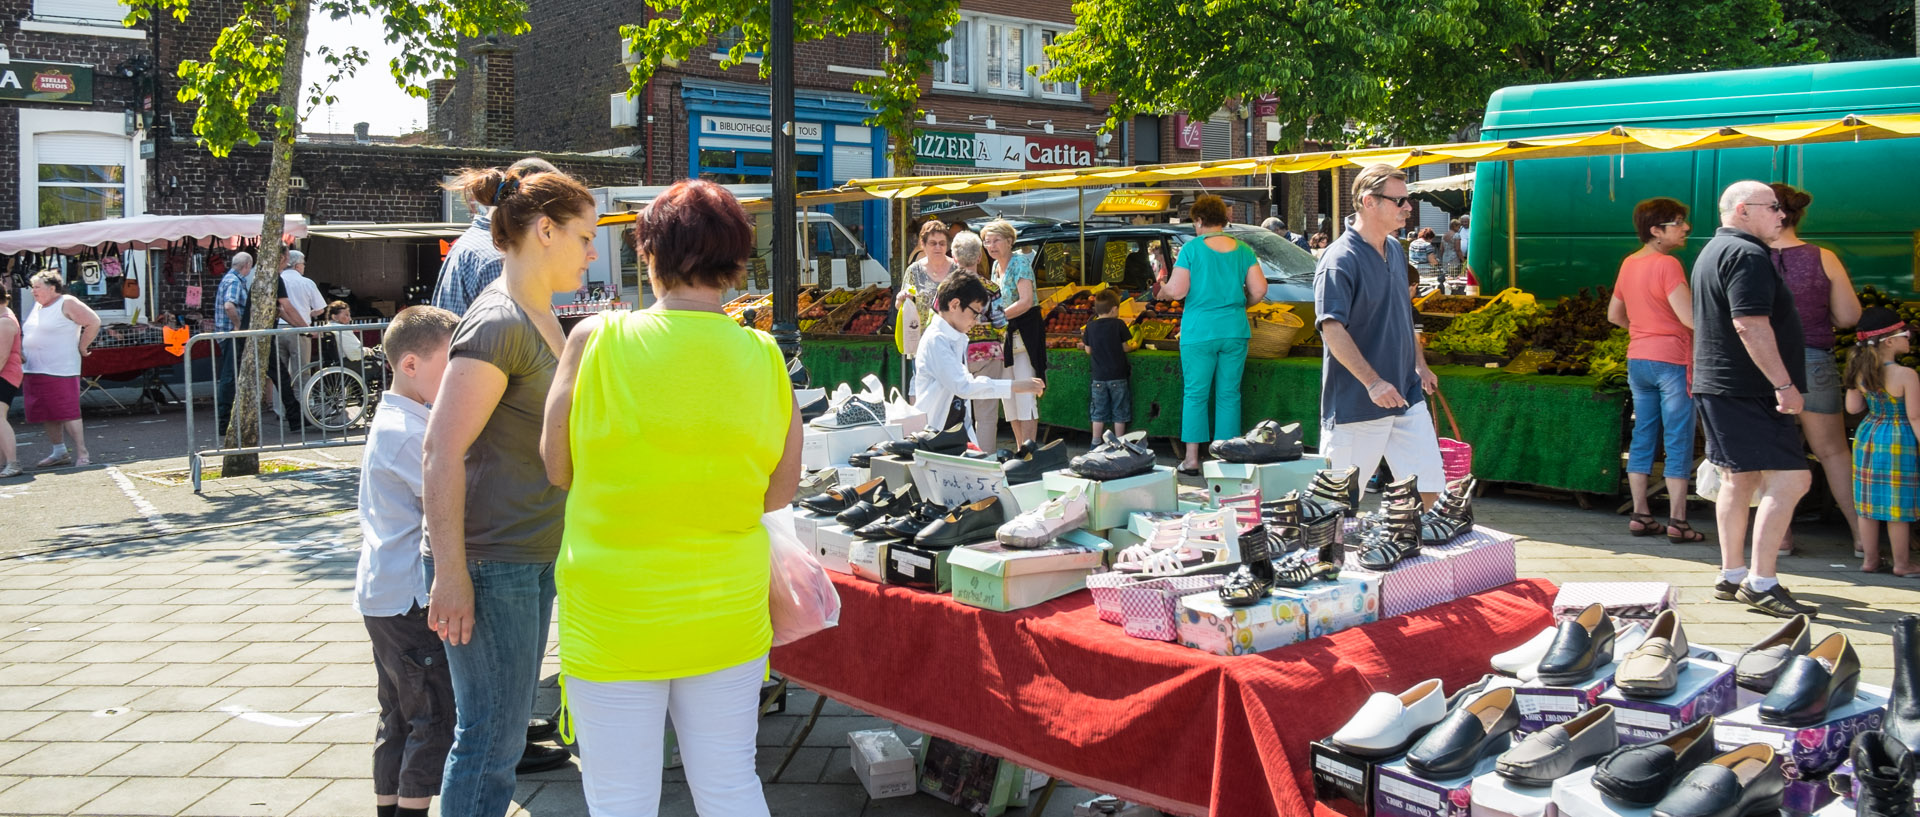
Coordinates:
<point>230,311</point>
<point>472,263</point>
<point>1373,377</point>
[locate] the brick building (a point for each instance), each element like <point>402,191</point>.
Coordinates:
<point>562,86</point>
<point>89,109</point>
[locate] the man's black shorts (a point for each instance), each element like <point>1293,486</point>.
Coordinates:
<point>1750,434</point>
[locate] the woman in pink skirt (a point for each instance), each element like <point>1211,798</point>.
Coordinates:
<point>9,383</point>
<point>55,336</point>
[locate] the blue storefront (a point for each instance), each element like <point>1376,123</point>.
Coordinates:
<point>729,134</point>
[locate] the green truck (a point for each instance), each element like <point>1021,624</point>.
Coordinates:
<point>1575,216</point>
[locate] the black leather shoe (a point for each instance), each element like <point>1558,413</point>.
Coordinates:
<point>812,411</point>
<point>905,526</point>
<point>1776,601</point>
<point>864,459</point>
<point>1746,782</point>
<point>1814,685</point>
<point>964,525</point>
<point>843,497</point>
<point>882,505</point>
<point>1114,458</point>
<point>540,758</point>
<point>932,440</point>
<point>1760,666</point>
<point>1267,442</point>
<point>539,729</point>
<point>1884,767</point>
<point>1581,647</point>
<point>1030,465</point>
<point>1640,775</point>
<point>1903,706</point>
<point>1469,734</point>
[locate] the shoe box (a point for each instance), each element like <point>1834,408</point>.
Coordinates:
<point>883,763</point>
<point>1271,480</point>
<point>1415,583</point>
<point>1398,792</point>
<point>1810,752</point>
<point>833,544</point>
<point>1332,606</point>
<point>1111,501</point>
<point>951,480</point>
<point>995,577</point>
<point>1207,624</point>
<point>867,559</point>
<point>1542,706</point>
<point>806,526</point>
<point>1703,688</point>
<point>1575,796</point>
<point>1342,782</point>
<point>825,448</point>
<point>1634,601</point>
<point>1496,796</point>
<point>897,471</point>
<point>913,566</point>
<point>1482,559</point>
<point>975,781</point>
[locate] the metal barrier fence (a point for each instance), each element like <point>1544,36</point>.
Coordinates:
<point>333,395</point>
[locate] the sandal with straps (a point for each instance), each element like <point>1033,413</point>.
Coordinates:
<point>1686,534</point>
<point>1648,525</point>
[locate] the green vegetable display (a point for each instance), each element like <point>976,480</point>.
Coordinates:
<point>1487,332</point>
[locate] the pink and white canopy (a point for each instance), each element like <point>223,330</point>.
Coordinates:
<point>142,233</point>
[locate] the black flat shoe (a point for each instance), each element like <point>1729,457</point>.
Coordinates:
<point>1579,649</point>
<point>1814,685</point>
<point>881,506</point>
<point>1469,734</point>
<point>1267,442</point>
<point>1776,602</point>
<point>540,758</point>
<point>843,497</point>
<point>1746,782</point>
<point>1114,458</point>
<point>935,441</point>
<point>964,525</point>
<point>1030,466</point>
<point>1640,775</point>
<point>864,459</point>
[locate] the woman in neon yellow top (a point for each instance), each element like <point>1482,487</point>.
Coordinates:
<point>674,429</point>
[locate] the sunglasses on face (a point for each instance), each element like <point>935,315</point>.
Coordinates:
<point>1397,201</point>
<point>1770,205</point>
<point>1679,223</point>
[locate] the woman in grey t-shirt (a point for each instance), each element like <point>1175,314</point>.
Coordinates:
<point>493,519</point>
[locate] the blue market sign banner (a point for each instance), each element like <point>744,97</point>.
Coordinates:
<point>46,82</point>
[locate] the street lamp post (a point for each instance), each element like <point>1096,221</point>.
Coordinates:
<point>786,270</point>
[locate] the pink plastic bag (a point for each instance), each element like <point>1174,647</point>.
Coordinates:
<point>801,599</point>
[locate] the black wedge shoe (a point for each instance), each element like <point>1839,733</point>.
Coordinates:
<point>1254,578</point>
<point>1451,516</point>
<point>1395,539</point>
<point>1332,492</point>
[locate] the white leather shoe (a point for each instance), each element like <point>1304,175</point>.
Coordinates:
<point>1521,662</point>
<point>1045,523</point>
<point>1387,724</point>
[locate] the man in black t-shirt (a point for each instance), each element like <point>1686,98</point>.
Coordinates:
<point>1749,369</point>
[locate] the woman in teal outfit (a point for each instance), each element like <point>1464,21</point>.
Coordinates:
<point>1219,277</point>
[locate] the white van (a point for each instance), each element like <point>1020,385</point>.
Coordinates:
<point>830,255</point>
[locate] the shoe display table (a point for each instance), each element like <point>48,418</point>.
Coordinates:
<point>1055,689</point>
<point>1546,430</point>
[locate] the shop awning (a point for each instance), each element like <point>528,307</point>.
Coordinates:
<point>1453,194</point>
<point>355,232</point>
<point>140,232</point>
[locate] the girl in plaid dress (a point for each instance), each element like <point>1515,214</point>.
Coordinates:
<point>1886,455</point>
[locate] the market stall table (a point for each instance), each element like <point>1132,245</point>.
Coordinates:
<point>1554,432</point>
<point>141,361</point>
<point>1055,689</point>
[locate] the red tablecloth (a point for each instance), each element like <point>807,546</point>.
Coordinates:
<point>1056,689</point>
<point>125,361</point>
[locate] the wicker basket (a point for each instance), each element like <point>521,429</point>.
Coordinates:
<point>1274,338</point>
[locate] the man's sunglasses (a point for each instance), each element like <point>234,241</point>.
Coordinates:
<point>1770,205</point>
<point>1400,201</point>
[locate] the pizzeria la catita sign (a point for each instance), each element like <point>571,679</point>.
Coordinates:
<point>46,82</point>
<point>1001,151</point>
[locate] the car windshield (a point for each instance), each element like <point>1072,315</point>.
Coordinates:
<point>1283,260</point>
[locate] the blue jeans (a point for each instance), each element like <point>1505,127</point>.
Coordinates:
<point>1211,368</point>
<point>227,352</point>
<point>1112,402</point>
<point>1660,404</point>
<point>494,678</point>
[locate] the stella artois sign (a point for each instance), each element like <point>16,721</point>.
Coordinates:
<point>46,82</point>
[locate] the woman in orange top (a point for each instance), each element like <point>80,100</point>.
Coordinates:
<point>1652,301</point>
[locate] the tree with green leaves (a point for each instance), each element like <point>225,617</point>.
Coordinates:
<point>260,52</point>
<point>912,32</point>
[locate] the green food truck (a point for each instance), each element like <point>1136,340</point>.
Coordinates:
<point>1574,216</point>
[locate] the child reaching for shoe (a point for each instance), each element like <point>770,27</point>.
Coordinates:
<point>941,382</point>
<point>1886,455</point>
<point>1107,340</point>
<point>415,730</point>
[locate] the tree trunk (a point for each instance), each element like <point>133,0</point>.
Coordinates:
<point>1297,202</point>
<point>254,366</point>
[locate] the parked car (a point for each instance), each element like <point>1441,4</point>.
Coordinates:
<point>1122,255</point>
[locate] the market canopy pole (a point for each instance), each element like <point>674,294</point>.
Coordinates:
<point>786,271</point>
<point>1513,234</point>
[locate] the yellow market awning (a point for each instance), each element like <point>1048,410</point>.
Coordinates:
<point>1135,201</point>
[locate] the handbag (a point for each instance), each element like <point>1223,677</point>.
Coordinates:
<point>1456,455</point>
<point>801,599</point>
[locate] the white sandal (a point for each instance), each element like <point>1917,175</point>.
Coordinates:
<point>12,470</point>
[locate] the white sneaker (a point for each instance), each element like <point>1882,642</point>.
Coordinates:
<point>1387,723</point>
<point>849,410</point>
<point>1523,662</point>
<point>1037,527</point>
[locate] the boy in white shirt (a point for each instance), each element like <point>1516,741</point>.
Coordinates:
<point>941,382</point>
<point>415,688</point>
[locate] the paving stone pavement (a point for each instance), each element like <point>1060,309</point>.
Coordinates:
<point>219,670</point>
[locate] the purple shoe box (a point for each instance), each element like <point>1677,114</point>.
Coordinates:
<point>1482,559</point>
<point>1809,751</point>
<point>1704,688</point>
<point>1414,584</point>
<point>1542,706</point>
<point>1623,600</point>
<point>1398,792</point>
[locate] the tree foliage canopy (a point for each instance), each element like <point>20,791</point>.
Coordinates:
<point>246,60</point>
<point>912,32</point>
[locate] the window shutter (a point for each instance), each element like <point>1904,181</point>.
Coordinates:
<point>80,148</point>
<point>91,11</point>
<point>1216,137</point>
